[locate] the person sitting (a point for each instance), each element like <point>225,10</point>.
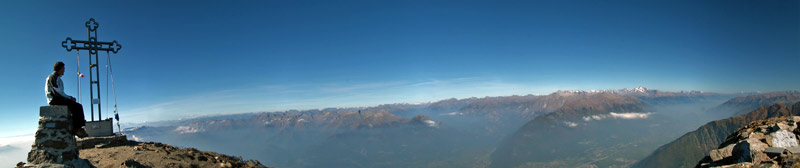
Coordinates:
<point>54,89</point>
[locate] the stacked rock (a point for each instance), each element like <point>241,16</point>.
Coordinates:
<point>764,143</point>
<point>55,144</point>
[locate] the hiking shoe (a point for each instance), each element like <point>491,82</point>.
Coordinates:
<point>81,133</point>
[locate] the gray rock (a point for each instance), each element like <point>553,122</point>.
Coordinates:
<point>741,152</point>
<point>794,150</point>
<point>774,151</point>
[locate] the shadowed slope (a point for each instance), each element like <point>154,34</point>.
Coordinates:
<point>687,150</point>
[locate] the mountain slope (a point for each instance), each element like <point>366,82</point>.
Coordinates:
<point>552,136</point>
<point>687,150</point>
<point>400,146</point>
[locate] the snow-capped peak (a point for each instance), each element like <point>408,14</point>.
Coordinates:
<point>641,89</point>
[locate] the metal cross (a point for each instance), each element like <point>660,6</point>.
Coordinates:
<point>92,45</point>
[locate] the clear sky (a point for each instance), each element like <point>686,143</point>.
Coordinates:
<point>182,59</point>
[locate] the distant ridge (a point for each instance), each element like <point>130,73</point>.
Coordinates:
<point>526,106</point>
<point>745,104</point>
<point>6,148</point>
<point>654,97</point>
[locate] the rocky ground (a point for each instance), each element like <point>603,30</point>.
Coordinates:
<point>119,152</point>
<point>764,143</point>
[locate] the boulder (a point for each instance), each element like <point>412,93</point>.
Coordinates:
<point>719,154</point>
<point>783,138</point>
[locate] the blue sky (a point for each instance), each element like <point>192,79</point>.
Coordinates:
<point>184,59</point>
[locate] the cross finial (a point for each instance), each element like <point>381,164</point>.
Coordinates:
<point>115,46</point>
<point>92,25</point>
<point>68,44</point>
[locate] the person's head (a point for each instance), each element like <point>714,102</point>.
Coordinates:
<point>59,67</point>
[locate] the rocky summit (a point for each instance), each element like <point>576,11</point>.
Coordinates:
<point>117,151</point>
<point>763,143</point>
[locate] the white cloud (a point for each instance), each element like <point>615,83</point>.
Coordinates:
<point>343,88</point>
<point>570,124</point>
<point>452,114</point>
<point>135,138</point>
<point>431,123</point>
<point>628,116</point>
<point>187,130</point>
<point>594,117</point>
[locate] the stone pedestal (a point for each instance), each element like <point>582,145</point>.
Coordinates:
<point>100,128</point>
<point>102,142</point>
<point>55,144</point>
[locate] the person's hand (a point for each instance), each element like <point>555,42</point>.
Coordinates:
<point>73,99</point>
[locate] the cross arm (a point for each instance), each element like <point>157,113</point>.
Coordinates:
<point>70,45</point>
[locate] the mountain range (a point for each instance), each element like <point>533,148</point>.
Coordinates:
<point>562,129</point>
<point>745,104</point>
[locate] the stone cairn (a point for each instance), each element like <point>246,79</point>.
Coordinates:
<point>55,144</point>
